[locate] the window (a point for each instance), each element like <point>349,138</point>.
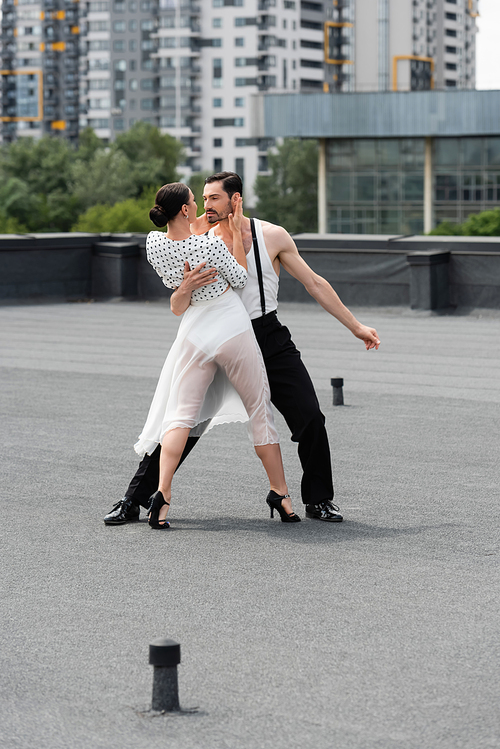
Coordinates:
<point>451,16</point>
<point>119,6</point>
<point>451,66</point>
<point>119,45</point>
<point>451,50</point>
<point>252,21</point>
<point>168,102</point>
<point>132,65</point>
<point>310,45</point>
<point>99,84</point>
<point>242,142</point>
<point>119,123</point>
<point>98,123</point>
<point>317,7</point>
<point>119,26</point>
<point>289,4</point>
<point>217,165</point>
<point>147,104</point>
<point>120,65</point>
<point>132,25</point>
<point>99,103</point>
<point>446,187</point>
<point>98,64</point>
<point>310,25</point>
<point>217,23</point>
<point>167,81</point>
<point>311,64</point>
<point>472,187</point>
<point>239,168</point>
<point>239,101</point>
<point>229,122</point>
<point>450,83</point>
<point>133,84</point>
<point>98,45</point>
<point>217,142</point>
<point>132,45</point>
<point>245,81</point>
<point>217,102</point>
<point>239,41</point>
<point>147,84</point>
<point>451,32</point>
<point>98,26</point>
<point>147,25</point>
<point>119,85</point>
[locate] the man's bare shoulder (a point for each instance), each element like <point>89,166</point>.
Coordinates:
<point>276,236</point>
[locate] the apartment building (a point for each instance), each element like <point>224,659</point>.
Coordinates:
<point>192,67</point>
<point>400,45</point>
<point>189,67</point>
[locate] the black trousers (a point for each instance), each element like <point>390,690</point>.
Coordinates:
<point>292,393</point>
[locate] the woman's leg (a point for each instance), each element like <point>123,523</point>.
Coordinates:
<point>196,374</point>
<point>270,455</point>
<point>172,447</point>
<point>242,361</point>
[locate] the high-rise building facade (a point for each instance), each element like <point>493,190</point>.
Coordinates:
<point>191,67</point>
<point>400,45</point>
<point>39,65</point>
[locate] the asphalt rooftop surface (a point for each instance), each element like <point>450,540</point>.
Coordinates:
<point>380,632</point>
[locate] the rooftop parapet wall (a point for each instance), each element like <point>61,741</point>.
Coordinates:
<point>418,271</point>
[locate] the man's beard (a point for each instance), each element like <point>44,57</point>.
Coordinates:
<point>215,216</point>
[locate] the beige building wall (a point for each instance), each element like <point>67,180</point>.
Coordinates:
<point>366,46</point>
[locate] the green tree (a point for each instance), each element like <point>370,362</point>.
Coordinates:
<point>105,179</point>
<point>45,185</point>
<point>446,229</point>
<point>289,195</point>
<point>484,224</point>
<point>124,216</point>
<point>153,157</point>
<point>196,184</point>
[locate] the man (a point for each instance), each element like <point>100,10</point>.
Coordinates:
<point>292,392</point>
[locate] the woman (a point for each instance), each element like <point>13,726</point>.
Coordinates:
<point>214,372</point>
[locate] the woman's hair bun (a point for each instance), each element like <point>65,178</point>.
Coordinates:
<point>169,201</point>
<point>158,216</point>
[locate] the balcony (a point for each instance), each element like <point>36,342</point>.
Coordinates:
<point>264,23</point>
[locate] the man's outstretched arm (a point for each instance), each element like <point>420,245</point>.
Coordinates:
<point>318,287</point>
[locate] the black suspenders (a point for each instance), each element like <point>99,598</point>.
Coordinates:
<point>258,267</point>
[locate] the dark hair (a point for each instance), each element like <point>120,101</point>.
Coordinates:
<point>231,182</point>
<point>169,201</point>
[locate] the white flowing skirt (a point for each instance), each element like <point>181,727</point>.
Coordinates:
<point>214,374</point>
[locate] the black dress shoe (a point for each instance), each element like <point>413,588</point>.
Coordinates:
<point>124,511</point>
<point>324,511</point>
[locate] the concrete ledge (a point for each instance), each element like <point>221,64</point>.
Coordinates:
<point>424,272</point>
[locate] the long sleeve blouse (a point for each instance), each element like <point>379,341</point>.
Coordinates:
<point>168,257</point>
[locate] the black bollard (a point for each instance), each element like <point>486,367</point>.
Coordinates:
<point>165,655</point>
<point>337,384</point>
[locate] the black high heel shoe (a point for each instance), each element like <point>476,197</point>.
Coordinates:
<point>157,501</point>
<point>274,502</point>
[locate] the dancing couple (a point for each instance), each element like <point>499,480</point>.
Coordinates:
<point>231,356</point>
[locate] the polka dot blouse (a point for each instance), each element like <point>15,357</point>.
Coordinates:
<point>168,257</point>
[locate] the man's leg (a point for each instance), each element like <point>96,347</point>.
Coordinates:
<point>292,393</point>
<point>142,486</point>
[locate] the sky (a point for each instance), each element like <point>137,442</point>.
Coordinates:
<point>488,45</point>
